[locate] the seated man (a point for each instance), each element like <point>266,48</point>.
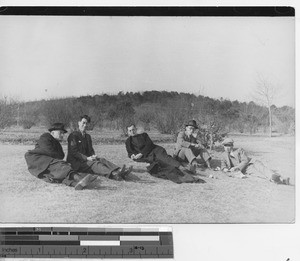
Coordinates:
<point>46,160</point>
<point>188,147</point>
<point>140,148</point>
<point>237,163</point>
<point>82,156</point>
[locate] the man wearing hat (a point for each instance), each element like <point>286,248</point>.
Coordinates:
<point>188,147</point>
<point>238,164</point>
<point>82,157</point>
<point>46,160</point>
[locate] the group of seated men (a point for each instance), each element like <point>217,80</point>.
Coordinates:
<point>83,166</point>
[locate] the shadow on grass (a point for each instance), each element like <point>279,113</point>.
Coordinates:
<point>139,170</point>
<point>201,181</point>
<point>98,187</point>
<point>134,178</point>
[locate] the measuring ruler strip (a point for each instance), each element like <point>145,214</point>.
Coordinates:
<point>86,242</point>
<point>89,251</point>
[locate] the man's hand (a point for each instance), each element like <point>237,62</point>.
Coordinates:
<point>225,170</point>
<point>132,156</point>
<point>138,156</point>
<point>92,158</point>
<point>198,145</point>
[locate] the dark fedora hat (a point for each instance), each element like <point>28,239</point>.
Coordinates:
<point>58,126</point>
<point>192,123</point>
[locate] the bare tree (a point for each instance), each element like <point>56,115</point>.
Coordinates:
<point>7,112</point>
<point>264,94</point>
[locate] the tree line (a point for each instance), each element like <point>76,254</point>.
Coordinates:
<point>162,110</point>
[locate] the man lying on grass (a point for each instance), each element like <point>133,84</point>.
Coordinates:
<point>82,157</point>
<point>236,163</point>
<point>46,161</point>
<point>140,148</point>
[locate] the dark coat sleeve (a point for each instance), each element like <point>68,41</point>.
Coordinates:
<point>48,146</point>
<point>148,145</point>
<point>129,148</point>
<point>73,148</point>
<point>90,145</point>
<point>47,149</point>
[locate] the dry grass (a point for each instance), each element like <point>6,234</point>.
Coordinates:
<point>18,135</point>
<point>26,199</point>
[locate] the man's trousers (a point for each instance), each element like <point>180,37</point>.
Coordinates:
<point>189,154</point>
<point>100,167</point>
<point>257,169</point>
<point>59,171</point>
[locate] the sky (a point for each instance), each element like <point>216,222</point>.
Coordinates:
<point>44,57</point>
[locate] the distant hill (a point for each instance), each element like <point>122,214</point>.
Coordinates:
<point>165,111</point>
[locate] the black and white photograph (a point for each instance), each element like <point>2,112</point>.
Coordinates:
<point>137,118</point>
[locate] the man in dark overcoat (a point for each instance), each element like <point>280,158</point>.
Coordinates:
<point>46,160</point>
<point>140,148</point>
<point>82,157</point>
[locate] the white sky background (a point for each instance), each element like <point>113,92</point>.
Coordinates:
<point>211,56</point>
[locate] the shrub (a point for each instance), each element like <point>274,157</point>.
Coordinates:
<point>27,124</point>
<point>6,113</point>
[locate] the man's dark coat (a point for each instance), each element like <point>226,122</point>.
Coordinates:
<point>162,165</point>
<point>144,145</point>
<point>46,149</point>
<point>141,143</point>
<point>79,148</point>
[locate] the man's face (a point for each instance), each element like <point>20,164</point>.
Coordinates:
<point>131,130</point>
<point>228,148</point>
<point>83,124</point>
<point>189,130</point>
<point>58,135</point>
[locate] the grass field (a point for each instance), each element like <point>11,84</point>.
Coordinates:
<point>25,199</point>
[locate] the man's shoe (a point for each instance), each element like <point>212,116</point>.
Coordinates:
<point>117,175</point>
<point>127,172</point>
<point>207,164</point>
<point>286,181</point>
<point>237,174</point>
<point>84,182</point>
<point>184,169</point>
<point>93,178</point>
<point>122,170</point>
<point>240,175</point>
<point>192,168</point>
